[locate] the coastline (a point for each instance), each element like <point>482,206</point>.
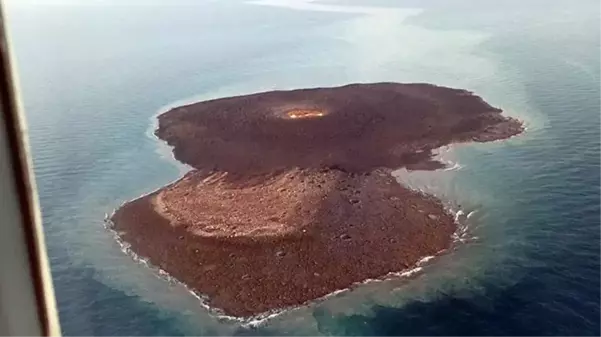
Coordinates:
<point>261,318</point>
<point>457,236</point>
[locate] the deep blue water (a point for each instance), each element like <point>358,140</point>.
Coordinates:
<point>93,77</point>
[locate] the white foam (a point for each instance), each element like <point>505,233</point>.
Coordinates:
<point>410,272</point>
<point>162,146</point>
<point>455,167</point>
<point>424,260</point>
<point>458,214</point>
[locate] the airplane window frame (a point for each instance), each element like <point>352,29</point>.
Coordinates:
<point>27,303</point>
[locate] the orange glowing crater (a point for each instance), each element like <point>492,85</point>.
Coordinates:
<point>305,113</point>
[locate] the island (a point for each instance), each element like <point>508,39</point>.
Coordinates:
<point>291,195</point>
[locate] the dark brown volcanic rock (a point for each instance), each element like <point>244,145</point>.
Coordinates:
<point>364,126</point>
<point>292,198</point>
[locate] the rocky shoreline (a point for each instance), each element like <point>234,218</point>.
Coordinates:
<point>291,196</point>
<point>257,319</point>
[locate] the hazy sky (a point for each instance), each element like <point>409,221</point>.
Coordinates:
<point>362,2</point>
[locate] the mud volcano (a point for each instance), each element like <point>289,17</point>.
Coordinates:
<point>291,196</point>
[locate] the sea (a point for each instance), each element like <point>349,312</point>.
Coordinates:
<point>94,74</point>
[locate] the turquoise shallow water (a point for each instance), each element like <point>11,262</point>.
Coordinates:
<point>93,77</point>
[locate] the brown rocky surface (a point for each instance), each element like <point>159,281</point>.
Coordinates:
<point>292,198</point>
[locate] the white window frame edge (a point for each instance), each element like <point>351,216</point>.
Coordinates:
<point>27,303</point>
